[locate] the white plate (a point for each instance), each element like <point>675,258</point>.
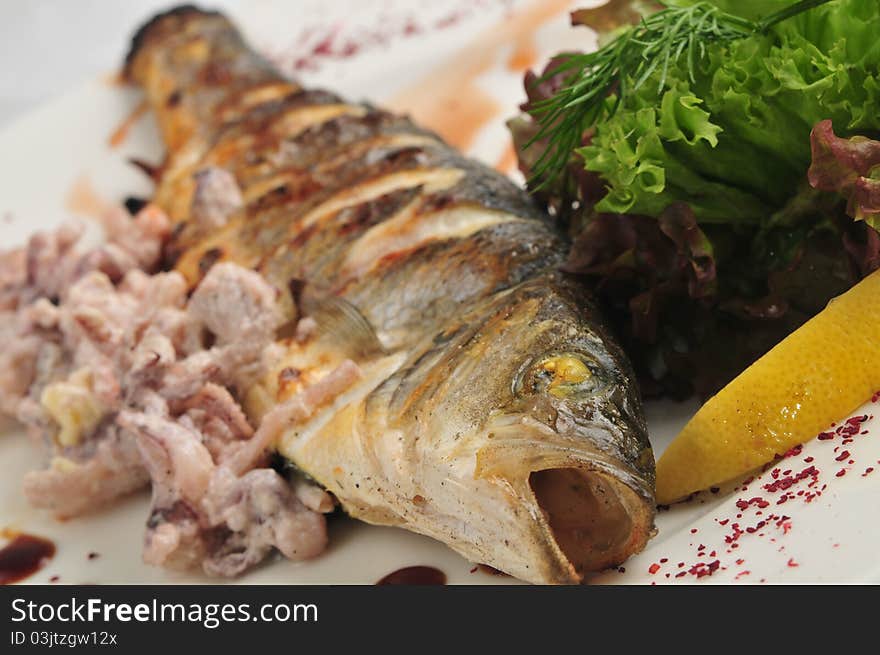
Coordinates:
<point>464,50</point>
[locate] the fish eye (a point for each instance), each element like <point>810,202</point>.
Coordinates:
<point>561,375</point>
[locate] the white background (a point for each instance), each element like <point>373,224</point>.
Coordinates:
<point>49,47</point>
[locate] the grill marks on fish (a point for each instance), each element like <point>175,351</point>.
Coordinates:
<point>241,145</point>
<point>315,184</point>
<point>267,241</point>
<point>212,58</point>
<point>314,252</point>
<point>427,284</point>
<point>412,229</point>
<point>454,268</point>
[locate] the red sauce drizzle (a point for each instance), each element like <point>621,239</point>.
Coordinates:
<point>415,575</point>
<point>23,556</point>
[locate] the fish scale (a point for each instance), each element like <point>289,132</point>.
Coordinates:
<point>466,426</point>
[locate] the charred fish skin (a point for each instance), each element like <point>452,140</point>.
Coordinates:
<point>499,415</point>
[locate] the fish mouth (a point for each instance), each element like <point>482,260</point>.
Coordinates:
<point>594,520</point>
<point>588,510</point>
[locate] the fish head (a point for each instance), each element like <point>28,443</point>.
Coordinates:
<point>537,411</point>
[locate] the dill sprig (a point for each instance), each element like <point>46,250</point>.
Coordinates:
<point>625,64</point>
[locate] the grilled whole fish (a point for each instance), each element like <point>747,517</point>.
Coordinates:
<point>494,411</point>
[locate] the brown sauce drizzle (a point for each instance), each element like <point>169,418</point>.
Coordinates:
<point>508,160</point>
<point>23,556</point>
<point>114,78</point>
<point>121,132</point>
<point>524,55</point>
<point>436,102</point>
<point>83,199</point>
<point>415,575</point>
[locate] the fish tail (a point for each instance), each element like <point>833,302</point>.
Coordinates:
<point>198,73</point>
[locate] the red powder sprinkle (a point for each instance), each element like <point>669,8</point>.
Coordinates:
<point>734,535</point>
<point>840,473</point>
<point>792,563</point>
<point>789,480</point>
<point>681,575</point>
<point>653,568</point>
<point>742,573</point>
<point>663,560</point>
<point>739,562</point>
<point>55,578</point>
<point>868,470</point>
<point>724,522</point>
<point>324,46</point>
<point>448,21</point>
<point>693,531</point>
<point>786,527</point>
<point>825,436</point>
<point>668,575</point>
<point>842,456</point>
<point>333,44</point>
<point>349,50</point>
<point>701,547</point>
<point>808,459</point>
<point>760,524</point>
<point>680,564</point>
<point>702,569</point>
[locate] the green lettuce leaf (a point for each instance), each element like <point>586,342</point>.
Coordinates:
<point>691,212</point>
<point>734,143</point>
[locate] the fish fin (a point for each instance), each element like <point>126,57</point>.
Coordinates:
<point>343,323</point>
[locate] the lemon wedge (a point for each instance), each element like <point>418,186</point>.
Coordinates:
<point>820,373</point>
